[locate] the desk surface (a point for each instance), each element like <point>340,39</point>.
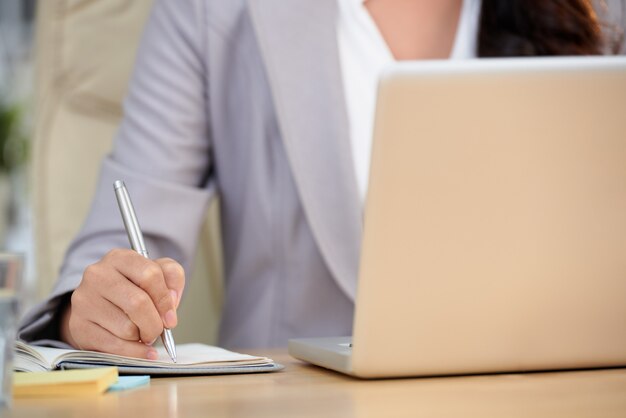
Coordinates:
<point>306,391</point>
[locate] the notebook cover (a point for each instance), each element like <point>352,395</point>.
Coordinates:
<point>156,371</point>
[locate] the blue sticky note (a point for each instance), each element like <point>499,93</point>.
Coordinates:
<point>129,382</point>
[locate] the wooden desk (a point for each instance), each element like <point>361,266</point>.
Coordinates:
<point>306,391</point>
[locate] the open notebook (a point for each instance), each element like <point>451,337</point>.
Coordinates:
<point>192,359</point>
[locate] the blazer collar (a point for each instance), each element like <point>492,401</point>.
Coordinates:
<point>298,42</point>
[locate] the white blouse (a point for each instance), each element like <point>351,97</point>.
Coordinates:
<point>363,55</point>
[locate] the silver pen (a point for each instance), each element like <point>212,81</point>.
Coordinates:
<point>136,242</point>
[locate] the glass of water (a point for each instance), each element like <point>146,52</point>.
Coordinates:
<point>10,278</point>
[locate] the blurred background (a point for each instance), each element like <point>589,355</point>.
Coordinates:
<point>16,126</point>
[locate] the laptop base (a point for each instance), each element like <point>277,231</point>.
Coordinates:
<point>333,353</point>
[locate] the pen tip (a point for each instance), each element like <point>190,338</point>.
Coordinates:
<point>118,184</point>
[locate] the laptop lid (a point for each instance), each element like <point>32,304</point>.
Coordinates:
<point>495,225</point>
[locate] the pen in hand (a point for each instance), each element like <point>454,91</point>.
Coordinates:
<point>137,244</point>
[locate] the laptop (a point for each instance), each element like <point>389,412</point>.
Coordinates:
<point>495,223</point>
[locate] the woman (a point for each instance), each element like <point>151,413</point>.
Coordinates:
<point>269,102</point>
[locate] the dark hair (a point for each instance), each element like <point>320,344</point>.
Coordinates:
<point>511,28</point>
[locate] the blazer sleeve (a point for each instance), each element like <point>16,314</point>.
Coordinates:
<point>162,152</point>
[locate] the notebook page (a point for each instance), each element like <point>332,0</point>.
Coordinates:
<point>35,358</point>
<point>196,354</point>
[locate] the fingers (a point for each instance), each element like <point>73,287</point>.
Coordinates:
<point>147,275</point>
<point>91,336</point>
<point>133,301</point>
<point>174,277</point>
<point>110,317</point>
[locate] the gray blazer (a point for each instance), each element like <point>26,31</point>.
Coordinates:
<point>244,99</point>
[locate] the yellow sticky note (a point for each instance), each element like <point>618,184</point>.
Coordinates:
<point>64,383</point>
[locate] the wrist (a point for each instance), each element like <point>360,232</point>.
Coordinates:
<point>64,323</point>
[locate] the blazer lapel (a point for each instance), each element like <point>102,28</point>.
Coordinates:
<point>299,46</point>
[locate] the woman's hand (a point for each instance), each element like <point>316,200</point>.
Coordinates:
<point>123,303</point>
